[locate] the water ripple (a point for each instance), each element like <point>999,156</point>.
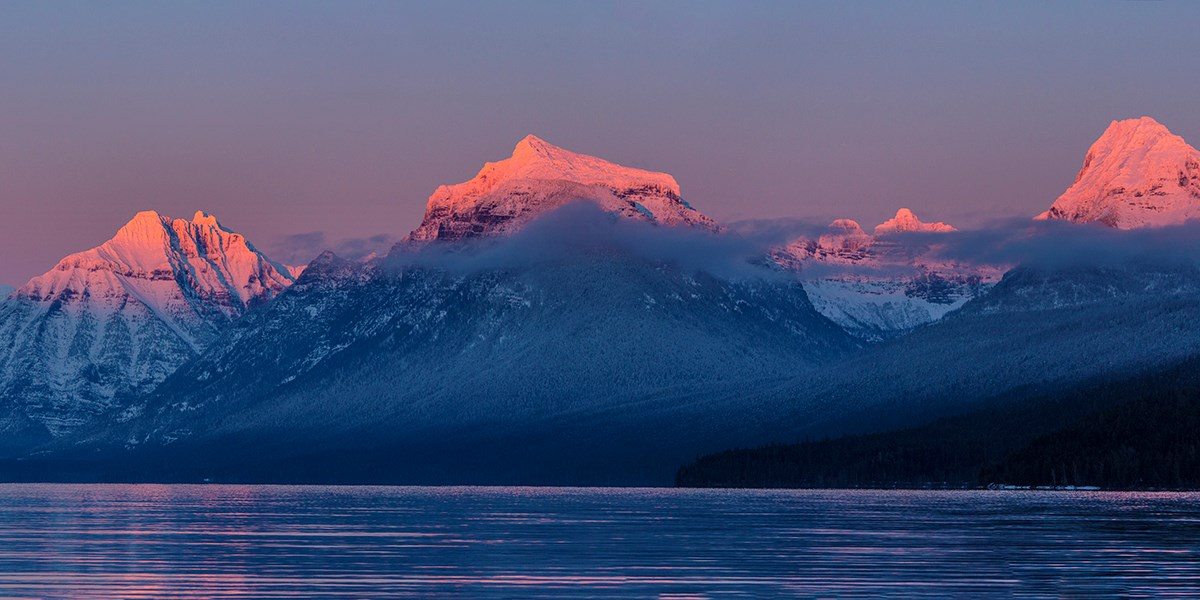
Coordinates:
<point>147,541</point>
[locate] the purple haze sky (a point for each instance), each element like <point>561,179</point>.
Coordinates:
<point>329,124</point>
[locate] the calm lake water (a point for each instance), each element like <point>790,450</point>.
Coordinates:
<point>138,541</point>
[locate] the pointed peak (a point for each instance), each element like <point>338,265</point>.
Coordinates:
<point>1136,174</point>
<point>325,258</point>
<point>532,141</point>
<point>145,226</point>
<point>533,148</point>
<point>203,218</point>
<point>146,216</point>
<point>907,221</point>
<point>326,263</point>
<point>1130,135</point>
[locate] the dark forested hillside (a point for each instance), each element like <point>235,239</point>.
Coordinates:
<point>1142,432</point>
<point>1152,441</point>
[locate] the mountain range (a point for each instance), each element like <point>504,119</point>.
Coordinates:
<point>563,319</point>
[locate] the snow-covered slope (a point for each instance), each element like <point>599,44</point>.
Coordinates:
<point>122,316</point>
<point>5,290</point>
<point>540,177</point>
<point>1138,174</point>
<point>577,349</point>
<point>883,285</point>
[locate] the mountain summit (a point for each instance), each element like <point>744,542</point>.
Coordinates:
<point>1138,174</point>
<point>540,177</point>
<point>883,284</point>
<point>907,222</point>
<point>120,317</point>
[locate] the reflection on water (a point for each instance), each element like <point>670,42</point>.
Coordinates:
<point>138,541</point>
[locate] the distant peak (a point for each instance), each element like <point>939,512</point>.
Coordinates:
<point>906,221</point>
<point>846,226</point>
<point>533,148</point>
<point>844,235</point>
<point>326,258</point>
<point>146,216</point>
<point>203,218</point>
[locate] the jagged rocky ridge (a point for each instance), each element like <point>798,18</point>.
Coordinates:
<point>115,320</point>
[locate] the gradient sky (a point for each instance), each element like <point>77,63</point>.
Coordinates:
<point>311,124</point>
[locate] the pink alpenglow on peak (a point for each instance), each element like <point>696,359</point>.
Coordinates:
<point>117,319</point>
<point>844,236</point>
<point>845,240</point>
<point>878,286</point>
<point>905,221</point>
<point>1138,174</point>
<point>179,270</point>
<point>540,177</point>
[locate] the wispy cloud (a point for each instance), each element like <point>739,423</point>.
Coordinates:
<point>300,248</point>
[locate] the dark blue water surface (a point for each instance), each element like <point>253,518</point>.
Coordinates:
<point>136,541</point>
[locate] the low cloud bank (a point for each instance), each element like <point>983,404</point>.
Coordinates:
<point>742,250</point>
<point>583,229</point>
<point>1058,244</point>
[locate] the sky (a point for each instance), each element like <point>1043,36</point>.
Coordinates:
<point>307,125</point>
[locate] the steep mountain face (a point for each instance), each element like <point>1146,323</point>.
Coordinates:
<point>559,359</point>
<point>540,177</point>
<point>5,290</point>
<point>605,369</point>
<point>883,285</point>
<point>1138,174</point>
<point>1038,330</point>
<point>120,317</point>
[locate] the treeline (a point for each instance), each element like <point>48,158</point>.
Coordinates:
<point>1142,432</point>
<point>1152,441</point>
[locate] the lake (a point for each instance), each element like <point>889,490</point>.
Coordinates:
<point>205,541</point>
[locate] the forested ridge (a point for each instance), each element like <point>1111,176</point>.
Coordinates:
<point>1142,432</point>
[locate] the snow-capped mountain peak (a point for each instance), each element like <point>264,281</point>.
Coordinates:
<point>1138,174</point>
<point>878,286</point>
<point>845,237</point>
<point>539,177</point>
<point>203,218</point>
<point>905,221</point>
<point>534,158</point>
<point>198,256</point>
<point>123,315</point>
